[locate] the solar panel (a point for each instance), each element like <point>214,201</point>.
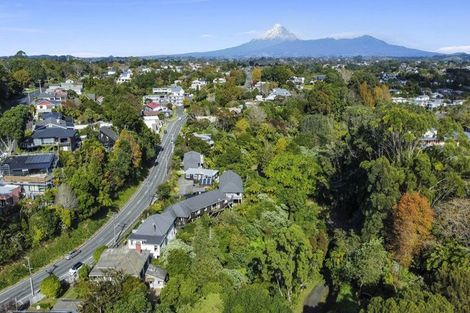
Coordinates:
<point>41,158</point>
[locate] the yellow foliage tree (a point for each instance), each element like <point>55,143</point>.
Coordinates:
<point>366,94</point>
<point>412,222</point>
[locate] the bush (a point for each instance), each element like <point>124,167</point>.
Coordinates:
<point>97,253</point>
<point>51,286</point>
<point>83,272</point>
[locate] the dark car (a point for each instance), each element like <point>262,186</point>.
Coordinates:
<point>75,268</point>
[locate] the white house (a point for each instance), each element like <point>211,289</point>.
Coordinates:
<point>152,121</point>
<point>278,92</point>
<point>68,85</point>
<point>198,84</point>
<point>125,77</point>
<point>173,94</point>
<point>153,234</point>
<point>218,81</point>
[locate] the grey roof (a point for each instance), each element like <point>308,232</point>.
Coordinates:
<point>230,182</point>
<point>54,122</point>
<point>281,92</point>
<point>154,229</point>
<point>191,159</point>
<point>185,208</point>
<point>66,305</point>
<point>30,162</point>
<point>53,115</point>
<point>109,132</point>
<point>54,132</point>
<point>128,261</point>
<point>157,272</point>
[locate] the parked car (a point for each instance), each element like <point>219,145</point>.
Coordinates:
<point>72,254</point>
<point>75,268</point>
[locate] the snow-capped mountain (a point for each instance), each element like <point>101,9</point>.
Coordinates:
<point>278,32</point>
<point>278,42</point>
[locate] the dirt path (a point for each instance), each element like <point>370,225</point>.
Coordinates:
<point>318,295</point>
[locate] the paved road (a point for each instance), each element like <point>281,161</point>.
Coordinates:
<point>117,224</point>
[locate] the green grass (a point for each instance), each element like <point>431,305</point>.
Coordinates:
<point>56,248</point>
<point>70,294</point>
<point>125,196</point>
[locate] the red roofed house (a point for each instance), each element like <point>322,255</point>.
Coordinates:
<point>9,195</point>
<point>44,106</point>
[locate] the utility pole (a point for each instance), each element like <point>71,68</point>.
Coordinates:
<point>30,277</point>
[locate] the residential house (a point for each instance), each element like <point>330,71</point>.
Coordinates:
<point>261,86</point>
<point>125,77</point>
<point>129,262</point>
<point>68,85</point>
<point>317,78</point>
<point>219,81</point>
<point>32,172</point>
<point>159,229</point>
<point>422,100</point>
<point>198,84</point>
<point>157,107</point>
<point>63,138</point>
<point>430,139</point>
<point>297,81</point>
<point>53,119</point>
<point>278,92</point>
<point>55,97</point>
<point>231,184</point>
<point>9,196</point>
<point>152,121</point>
<point>156,277</point>
<point>399,100</point>
<point>207,138</point>
<point>201,176</point>
<point>44,106</point>
<point>173,94</point>
<point>107,137</point>
<point>153,234</point>
<point>192,159</point>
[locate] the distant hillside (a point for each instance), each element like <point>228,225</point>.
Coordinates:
<point>279,42</point>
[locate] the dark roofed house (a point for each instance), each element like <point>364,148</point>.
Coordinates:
<point>159,229</point>
<point>107,137</point>
<point>231,184</point>
<point>64,139</point>
<point>51,122</point>
<point>33,172</point>
<point>153,234</point>
<point>192,159</point>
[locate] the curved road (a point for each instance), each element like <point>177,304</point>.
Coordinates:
<point>117,225</point>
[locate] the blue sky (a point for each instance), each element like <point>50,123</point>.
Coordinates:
<point>148,27</point>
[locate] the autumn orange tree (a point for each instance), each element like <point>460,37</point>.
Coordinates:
<point>412,221</point>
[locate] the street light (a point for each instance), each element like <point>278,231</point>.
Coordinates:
<point>30,276</point>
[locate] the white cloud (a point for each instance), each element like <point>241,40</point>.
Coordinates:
<point>206,36</point>
<point>454,49</point>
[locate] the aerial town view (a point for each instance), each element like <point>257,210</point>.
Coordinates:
<point>216,156</point>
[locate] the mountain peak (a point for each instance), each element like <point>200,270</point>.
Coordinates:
<point>278,32</point>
